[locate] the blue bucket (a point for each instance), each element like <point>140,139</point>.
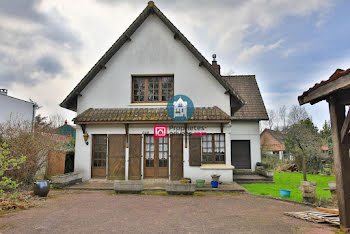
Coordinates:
<point>285,192</point>
<point>214,184</point>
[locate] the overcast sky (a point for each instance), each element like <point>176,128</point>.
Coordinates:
<point>46,47</point>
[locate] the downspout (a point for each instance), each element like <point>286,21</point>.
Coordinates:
<point>33,118</point>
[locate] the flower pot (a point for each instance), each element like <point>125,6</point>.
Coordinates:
<point>332,185</point>
<point>214,184</point>
<point>183,181</point>
<point>215,177</point>
<point>285,193</point>
<point>200,183</point>
<point>41,188</point>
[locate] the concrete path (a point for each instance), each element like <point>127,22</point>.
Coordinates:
<point>104,212</point>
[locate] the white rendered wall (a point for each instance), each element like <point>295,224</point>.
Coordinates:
<point>13,108</point>
<point>83,152</point>
<point>248,130</point>
<point>152,50</point>
<point>197,173</point>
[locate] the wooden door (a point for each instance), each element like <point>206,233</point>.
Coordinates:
<point>176,168</point>
<point>149,157</point>
<point>116,157</point>
<point>156,156</point>
<point>135,155</point>
<point>99,156</point>
<point>162,157</point>
<point>240,154</point>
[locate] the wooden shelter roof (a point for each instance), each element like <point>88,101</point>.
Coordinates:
<point>338,82</point>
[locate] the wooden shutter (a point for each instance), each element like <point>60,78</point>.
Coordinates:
<point>135,157</point>
<point>195,151</point>
<point>116,157</point>
<point>176,167</point>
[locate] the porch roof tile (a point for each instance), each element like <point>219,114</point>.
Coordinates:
<point>130,115</point>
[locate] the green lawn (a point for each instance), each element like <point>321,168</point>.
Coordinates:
<point>291,181</point>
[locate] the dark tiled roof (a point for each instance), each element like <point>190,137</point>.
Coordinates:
<point>336,75</point>
<point>247,87</point>
<point>70,102</point>
<point>276,134</point>
<point>125,115</point>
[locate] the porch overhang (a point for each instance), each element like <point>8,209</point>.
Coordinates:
<point>148,116</point>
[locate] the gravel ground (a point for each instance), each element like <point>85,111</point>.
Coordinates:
<point>100,211</point>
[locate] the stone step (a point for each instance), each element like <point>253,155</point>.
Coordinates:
<point>252,179</point>
<point>254,182</point>
<point>243,172</point>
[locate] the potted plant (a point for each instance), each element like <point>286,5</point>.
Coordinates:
<point>185,181</point>
<point>215,177</point>
<point>200,183</point>
<point>41,188</point>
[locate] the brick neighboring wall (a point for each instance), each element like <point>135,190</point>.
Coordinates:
<point>269,143</point>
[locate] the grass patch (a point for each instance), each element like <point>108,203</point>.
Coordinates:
<point>291,181</point>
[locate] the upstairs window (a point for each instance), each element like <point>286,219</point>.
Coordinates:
<point>152,88</point>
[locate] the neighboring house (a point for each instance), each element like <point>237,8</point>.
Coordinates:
<point>14,108</point>
<point>60,160</point>
<point>124,129</point>
<point>66,130</point>
<point>325,149</point>
<point>272,142</point>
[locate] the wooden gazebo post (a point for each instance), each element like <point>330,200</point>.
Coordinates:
<point>341,159</point>
<point>336,90</point>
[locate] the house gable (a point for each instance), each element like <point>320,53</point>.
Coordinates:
<point>271,141</point>
<point>151,11</point>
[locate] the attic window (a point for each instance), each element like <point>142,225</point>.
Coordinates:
<point>158,88</point>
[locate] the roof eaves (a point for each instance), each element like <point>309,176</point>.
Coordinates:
<point>197,54</point>
<point>105,58</point>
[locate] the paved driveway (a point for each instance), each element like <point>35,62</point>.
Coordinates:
<point>100,211</point>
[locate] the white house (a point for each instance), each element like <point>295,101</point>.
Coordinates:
<point>14,108</point>
<point>127,130</point>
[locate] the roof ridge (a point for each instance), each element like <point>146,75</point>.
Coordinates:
<point>70,102</point>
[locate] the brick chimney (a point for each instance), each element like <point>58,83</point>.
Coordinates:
<point>3,92</point>
<point>215,64</point>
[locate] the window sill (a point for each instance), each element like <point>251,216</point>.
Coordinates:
<point>149,104</point>
<point>216,167</point>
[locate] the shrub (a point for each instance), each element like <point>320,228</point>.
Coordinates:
<point>269,161</point>
<point>35,144</point>
<point>8,162</point>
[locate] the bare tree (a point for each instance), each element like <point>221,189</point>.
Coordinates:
<point>56,120</point>
<point>296,114</point>
<point>272,119</point>
<point>303,142</point>
<point>282,116</point>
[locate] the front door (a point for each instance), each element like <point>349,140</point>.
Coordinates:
<point>99,156</point>
<point>240,154</point>
<point>156,154</point>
